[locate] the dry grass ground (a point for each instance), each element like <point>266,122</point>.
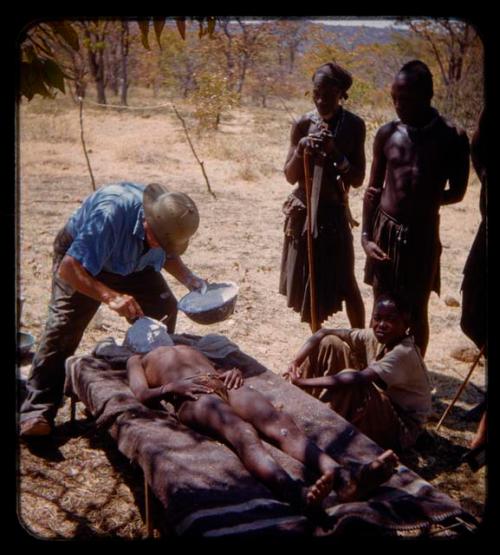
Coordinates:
<point>81,487</point>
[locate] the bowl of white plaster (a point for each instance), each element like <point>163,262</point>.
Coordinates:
<point>216,304</point>
<point>25,342</point>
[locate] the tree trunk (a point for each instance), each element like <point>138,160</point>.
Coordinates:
<point>96,59</point>
<point>99,80</point>
<point>124,43</point>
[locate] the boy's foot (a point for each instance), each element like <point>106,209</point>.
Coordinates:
<point>368,476</point>
<point>319,490</point>
<point>35,427</point>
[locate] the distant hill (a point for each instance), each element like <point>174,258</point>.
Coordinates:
<point>352,36</point>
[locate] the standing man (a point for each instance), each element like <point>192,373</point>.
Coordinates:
<point>335,138</point>
<point>414,158</point>
<point>110,251</point>
<point>474,319</point>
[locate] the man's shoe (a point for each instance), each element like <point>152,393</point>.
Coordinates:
<point>37,426</point>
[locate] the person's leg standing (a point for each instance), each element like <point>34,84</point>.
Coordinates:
<point>69,315</point>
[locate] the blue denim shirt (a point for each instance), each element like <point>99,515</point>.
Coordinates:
<point>108,232</point>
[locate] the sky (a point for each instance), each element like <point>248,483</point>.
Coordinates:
<point>355,22</point>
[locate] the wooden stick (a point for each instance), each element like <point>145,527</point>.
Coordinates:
<point>148,508</point>
<point>83,143</point>
<point>460,390</point>
<point>310,251</point>
<point>194,151</point>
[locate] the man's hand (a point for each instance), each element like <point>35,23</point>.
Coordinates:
<point>233,378</point>
<point>373,194</point>
<point>126,306</point>
<point>310,144</point>
<point>372,250</point>
<point>185,388</point>
<point>195,283</point>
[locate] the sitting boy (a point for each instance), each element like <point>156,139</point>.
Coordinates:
<point>375,378</point>
<point>215,402</point>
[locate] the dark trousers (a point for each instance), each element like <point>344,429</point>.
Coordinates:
<point>69,315</point>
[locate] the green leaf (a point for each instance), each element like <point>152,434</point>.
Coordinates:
<point>144,27</point>
<point>181,26</point>
<point>53,75</point>
<point>32,80</point>
<point>158,26</point>
<point>67,32</point>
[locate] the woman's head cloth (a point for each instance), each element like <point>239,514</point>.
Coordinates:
<point>336,75</point>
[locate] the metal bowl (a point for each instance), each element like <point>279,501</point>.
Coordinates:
<point>215,305</point>
<point>25,342</point>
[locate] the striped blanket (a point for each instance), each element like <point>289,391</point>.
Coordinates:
<point>201,485</point>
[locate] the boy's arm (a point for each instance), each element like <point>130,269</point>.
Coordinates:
<point>372,195</point>
<point>346,378</point>
<point>146,395</point>
<point>459,172</point>
<point>138,383</point>
<point>311,343</point>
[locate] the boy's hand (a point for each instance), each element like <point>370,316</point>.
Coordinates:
<point>293,372</point>
<point>186,388</point>
<point>233,379</point>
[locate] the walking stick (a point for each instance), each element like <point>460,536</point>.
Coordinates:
<point>310,252</point>
<point>461,389</point>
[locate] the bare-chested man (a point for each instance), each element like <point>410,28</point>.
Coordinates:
<point>216,402</point>
<point>413,160</point>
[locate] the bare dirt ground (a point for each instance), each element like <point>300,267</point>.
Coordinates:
<point>81,487</point>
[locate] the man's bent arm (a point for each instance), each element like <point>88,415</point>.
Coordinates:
<point>294,165</point>
<point>371,198</point>
<point>75,274</point>
<point>459,174</point>
<point>176,267</point>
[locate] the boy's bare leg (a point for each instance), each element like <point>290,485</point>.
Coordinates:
<point>355,485</point>
<point>210,414</point>
<point>280,428</point>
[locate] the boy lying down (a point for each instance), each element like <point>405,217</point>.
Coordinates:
<point>216,402</point>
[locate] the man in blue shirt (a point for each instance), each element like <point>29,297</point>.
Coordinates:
<point>110,251</point>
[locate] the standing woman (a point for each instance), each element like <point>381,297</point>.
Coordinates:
<point>336,137</point>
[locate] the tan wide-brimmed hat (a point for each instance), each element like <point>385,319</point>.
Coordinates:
<point>172,216</point>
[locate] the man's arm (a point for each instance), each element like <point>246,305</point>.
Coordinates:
<point>354,175</point>
<point>75,274</point>
<point>176,267</point>
<point>459,172</point>
<point>294,164</point>
<point>372,195</point>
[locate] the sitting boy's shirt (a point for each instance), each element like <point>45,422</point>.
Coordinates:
<point>402,369</point>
